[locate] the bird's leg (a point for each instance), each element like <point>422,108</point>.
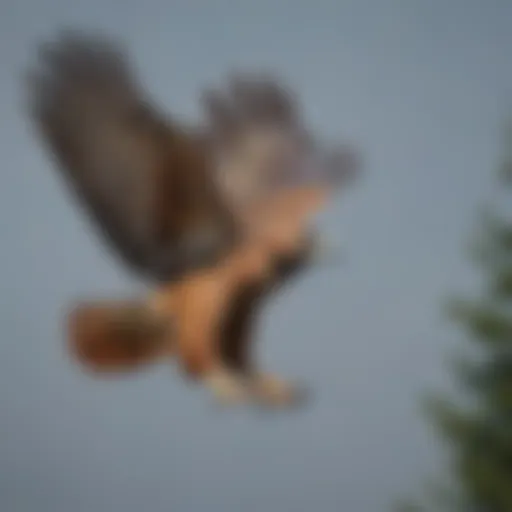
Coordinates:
<point>202,306</point>
<point>237,333</point>
<point>227,386</point>
<point>238,353</point>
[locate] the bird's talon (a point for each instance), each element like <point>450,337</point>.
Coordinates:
<point>272,391</point>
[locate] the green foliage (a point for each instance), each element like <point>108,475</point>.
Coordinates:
<point>478,434</point>
<point>486,322</point>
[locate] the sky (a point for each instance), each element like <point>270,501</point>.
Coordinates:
<point>421,87</point>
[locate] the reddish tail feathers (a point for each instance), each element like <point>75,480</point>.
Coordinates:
<point>116,336</point>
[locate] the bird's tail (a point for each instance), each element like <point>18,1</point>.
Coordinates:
<point>116,336</point>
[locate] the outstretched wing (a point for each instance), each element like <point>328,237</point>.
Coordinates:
<point>144,179</point>
<point>265,150</point>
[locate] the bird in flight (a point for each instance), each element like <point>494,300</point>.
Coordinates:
<point>214,217</point>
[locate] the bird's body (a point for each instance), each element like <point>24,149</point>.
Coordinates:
<point>206,318</point>
<point>217,218</point>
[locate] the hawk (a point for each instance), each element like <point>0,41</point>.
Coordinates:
<point>215,217</point>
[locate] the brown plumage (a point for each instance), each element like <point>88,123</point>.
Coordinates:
<point>142,177</point>
<point>115,336</point>
<point>216,216</point>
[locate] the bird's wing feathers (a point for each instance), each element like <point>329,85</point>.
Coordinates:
<point>144,179</point>
<point>265,151</point>
<point>168,198</point>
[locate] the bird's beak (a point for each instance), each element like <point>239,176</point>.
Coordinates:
<point>325,252</point>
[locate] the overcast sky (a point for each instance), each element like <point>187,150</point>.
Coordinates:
<point>421,86</point>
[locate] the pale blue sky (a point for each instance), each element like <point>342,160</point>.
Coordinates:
<point>421,86</point>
